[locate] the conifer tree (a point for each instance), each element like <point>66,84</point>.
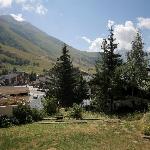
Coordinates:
<point>82,89</point>
<point>136,67</point>
<point>66,79</point>
<point>65,82</point>
<point>105,71</point>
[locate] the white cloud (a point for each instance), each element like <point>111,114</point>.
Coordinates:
<point>8,3</point>
<point>86,39</point>
<point>95,45</point>
<point>148,50</point>
<point>5,3</point>
<point>37,8</point>
<point>110,23</point>
<point>21,1</point>
<point>125,34</point>
<point>144,22</point>
<point>18,17</point>
<point>40,9</point>
<point>27,5</point>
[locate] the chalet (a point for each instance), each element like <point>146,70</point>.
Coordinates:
<point>10,97</point>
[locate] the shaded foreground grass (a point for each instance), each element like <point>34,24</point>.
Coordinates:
<point>104,134</point>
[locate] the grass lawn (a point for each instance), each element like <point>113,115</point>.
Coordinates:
<point>104,134</point>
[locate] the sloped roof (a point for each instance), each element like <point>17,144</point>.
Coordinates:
<point>13,90</point>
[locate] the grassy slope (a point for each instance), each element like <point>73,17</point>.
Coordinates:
<point>44,62</point>
<point>96,135</point>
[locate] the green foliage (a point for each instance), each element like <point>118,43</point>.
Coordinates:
<point>115,82</point>
<point>81,90</point>
<point>32,76</point>
<point>37,115</point>
<point>14,121</point>
<point>135,72</point>
<point>4,72</point>
<point>5,121</point>
<point>66,78</point>
<point>104,81</point>
<point>23,113</point>
<point>147,130</point>
<point>76,111</point>
<point>12,58</point>
<point>66,83</point>
<point>146,119</point>
<point>50,105</point>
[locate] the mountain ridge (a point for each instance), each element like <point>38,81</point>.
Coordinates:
<point>26,41</point>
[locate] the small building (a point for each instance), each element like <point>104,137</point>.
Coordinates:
<point>10,97</point>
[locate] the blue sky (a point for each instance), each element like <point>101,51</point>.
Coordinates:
<point>84,23</point>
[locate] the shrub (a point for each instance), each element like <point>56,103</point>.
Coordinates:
<point>76,111</point>
<point>14,120</point>
<point>37,115</point>
<point>146,119</point>
<point>23,114</point>
<point>147,130</point>
<point>50,105</point>
<point>4,121</point>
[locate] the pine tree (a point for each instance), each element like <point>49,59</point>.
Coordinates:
<point>136,66</point>
<point>65,82</point>
<point>105,72</point>
<point>66,77</point>
<point>82,89</point>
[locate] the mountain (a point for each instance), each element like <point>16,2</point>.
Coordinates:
<point>29,49</point>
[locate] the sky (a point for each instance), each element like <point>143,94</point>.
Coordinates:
<point>84,23</point>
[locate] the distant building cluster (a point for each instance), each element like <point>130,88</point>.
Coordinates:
<point>14,79</point>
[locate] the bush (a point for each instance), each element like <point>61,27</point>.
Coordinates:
<point>50,105</point>
<point>23,114</point>
<point>37,115</point>
<point>76,111</point>
<point>14,120</point>
<point>147,130</point>
<point>4,121</point>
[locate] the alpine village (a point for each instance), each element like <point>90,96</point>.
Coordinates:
<point>56,97</point>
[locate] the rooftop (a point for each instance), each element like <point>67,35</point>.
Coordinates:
<point>8,90</point>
